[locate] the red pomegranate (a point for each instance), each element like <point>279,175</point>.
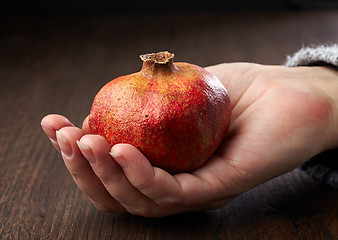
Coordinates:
<point>176,114</point>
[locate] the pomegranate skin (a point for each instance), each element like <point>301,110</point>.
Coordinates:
<point>176,114</point>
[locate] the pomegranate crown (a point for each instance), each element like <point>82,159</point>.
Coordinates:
<point>163,57</point>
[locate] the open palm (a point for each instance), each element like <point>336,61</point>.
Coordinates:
<point>279,120</point>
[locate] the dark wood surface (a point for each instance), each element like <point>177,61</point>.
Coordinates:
<point>57,64</point>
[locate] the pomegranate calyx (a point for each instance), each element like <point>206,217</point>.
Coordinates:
<point>160,63</point>
<point>163,57</point>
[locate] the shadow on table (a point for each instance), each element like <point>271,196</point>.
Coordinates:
<point>291,206</point>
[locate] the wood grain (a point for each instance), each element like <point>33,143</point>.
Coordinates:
<point>57,64</point>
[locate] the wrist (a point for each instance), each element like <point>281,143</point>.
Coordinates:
<point>325,81</point>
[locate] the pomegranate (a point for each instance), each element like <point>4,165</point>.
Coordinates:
<point>176,114</point>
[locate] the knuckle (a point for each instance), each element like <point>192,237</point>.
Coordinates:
<point>170,202</point>
<point>76,173</point>
<point>142,185</point>
<point>76,170</point>
<point>108,208</point>
<point>102,208</point>
<point>141,211</point>
<point>105,178</point>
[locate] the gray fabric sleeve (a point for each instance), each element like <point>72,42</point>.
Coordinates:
<point>321,55</point>
<point>323,167</point>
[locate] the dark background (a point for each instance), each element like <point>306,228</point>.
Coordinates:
<point>104,7</point>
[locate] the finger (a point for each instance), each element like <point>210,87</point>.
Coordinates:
<point>180,192</point>
<point>114,179</point>
<point>85,125</point>
<point>81,171</point>
<point>153,182</point>
<point>52,123</point>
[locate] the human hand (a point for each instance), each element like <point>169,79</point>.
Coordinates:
<point>281,117</point>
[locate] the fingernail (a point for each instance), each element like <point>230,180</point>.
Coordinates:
<point>49,131</point>
<point>43,125</point>
<point>64,144</point>
<point>119,159</point>
<point>87,152</point>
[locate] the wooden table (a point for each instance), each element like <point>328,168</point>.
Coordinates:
<point>57,64</point>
